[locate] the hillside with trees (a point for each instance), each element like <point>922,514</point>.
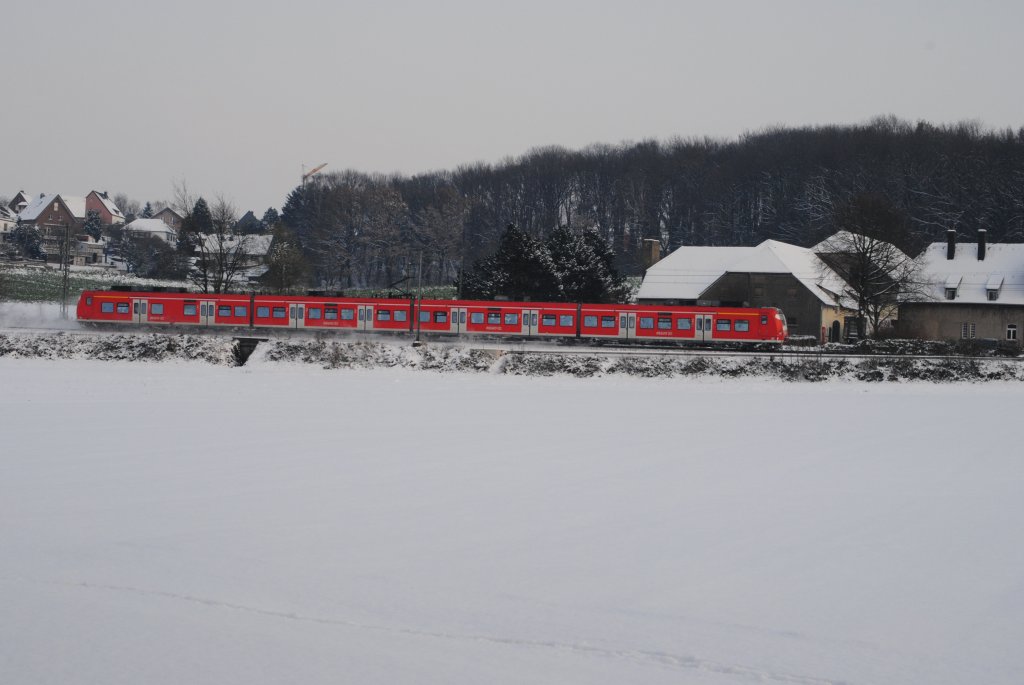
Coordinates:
<point>797,185</point>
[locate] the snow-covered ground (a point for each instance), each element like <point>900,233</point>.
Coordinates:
<point>279,523</point>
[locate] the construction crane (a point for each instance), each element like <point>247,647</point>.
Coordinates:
<point>307,174</point>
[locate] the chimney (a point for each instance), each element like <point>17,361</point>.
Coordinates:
<point>981,244</point>
<point>950,244</point>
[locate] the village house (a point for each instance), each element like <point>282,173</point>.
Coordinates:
<point>153,227</point>
<point>170,217</point>
<point>973,291</point>
<point>772,274</point>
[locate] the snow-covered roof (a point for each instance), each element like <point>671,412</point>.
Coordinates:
<point>109,204</point>
<point>36,207</point>
<point>149,226</point>
<point>686,273</point>
<point>1002,270</point>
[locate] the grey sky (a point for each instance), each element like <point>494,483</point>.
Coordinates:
<point>234,97</point>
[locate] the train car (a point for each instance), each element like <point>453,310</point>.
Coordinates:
<point>618,322</point>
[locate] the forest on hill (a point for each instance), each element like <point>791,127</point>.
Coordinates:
<point>907,182</point>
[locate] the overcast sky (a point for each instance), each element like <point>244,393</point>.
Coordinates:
<point>234,97</point>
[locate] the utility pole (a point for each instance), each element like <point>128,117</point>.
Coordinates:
<point>419,297</point>
<point>65,268</point>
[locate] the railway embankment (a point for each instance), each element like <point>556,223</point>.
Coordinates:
<point>328,353</point>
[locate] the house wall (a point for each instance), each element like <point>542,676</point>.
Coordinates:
<point>93,202</point>
<point>169,218</point>
<point>805,313</point>
<point>941,321</point>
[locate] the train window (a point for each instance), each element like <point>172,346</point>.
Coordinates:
<point>425,317</point>
<point>664,323</point>
<point>280,313</point>
<point>462,317</point>
<point>190,309</point>
<point>135,307</point>
<point>476,317</point>
<point>607,322</point>
<point>764,319</point>
<point>742,325</point>
<point>565,320</point>
<point>88,300</point>
<point>493,317</point>
<point>646,322</point>
<point>122,307</point>
<point>723,325</point>
<point>590,321</point>
<point>313,313</point>
<point>241,311</point>
<point>548,319</point>
<point>107,307</point>
<point>383,315</point>
<point>533,318</point>
<point>401,315</point>
<point>224,310</point>
<point>260,311</point>
<point>156,308</point>
<point>683,324</point>
<point>361,313</point>
<point>622,322</point>
<point>331,313</point>
<point>440,317</point>
<point>511,319</point>
<point>347,314</point>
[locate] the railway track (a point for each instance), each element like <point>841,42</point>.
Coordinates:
<point>501,345</point>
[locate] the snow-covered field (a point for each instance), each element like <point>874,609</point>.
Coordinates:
<point>278,523</point>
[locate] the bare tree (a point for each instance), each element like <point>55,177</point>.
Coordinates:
<point>221,255</point>
<point>877,274</point>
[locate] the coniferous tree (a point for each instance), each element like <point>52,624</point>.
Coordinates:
<point>521,269</point>
<point>147,211</point>
<point>93,224</point>
<point>26,237</point>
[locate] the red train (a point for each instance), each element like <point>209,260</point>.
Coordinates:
<point>437,317</point>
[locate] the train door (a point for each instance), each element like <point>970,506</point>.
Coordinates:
<point>530,317</point>
<point>627,325</point>
<point>207,310</point>
<point>140,310</point>
<point>704,327</point>
<point>365,317</point>
<point>297,315</point>
<point>458,324</point>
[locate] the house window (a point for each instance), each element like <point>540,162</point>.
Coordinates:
<point>993,295</point>
<point>950,293</point>
<point>1011,331</point>
<point>967,331</point>
<point>758,291</point>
